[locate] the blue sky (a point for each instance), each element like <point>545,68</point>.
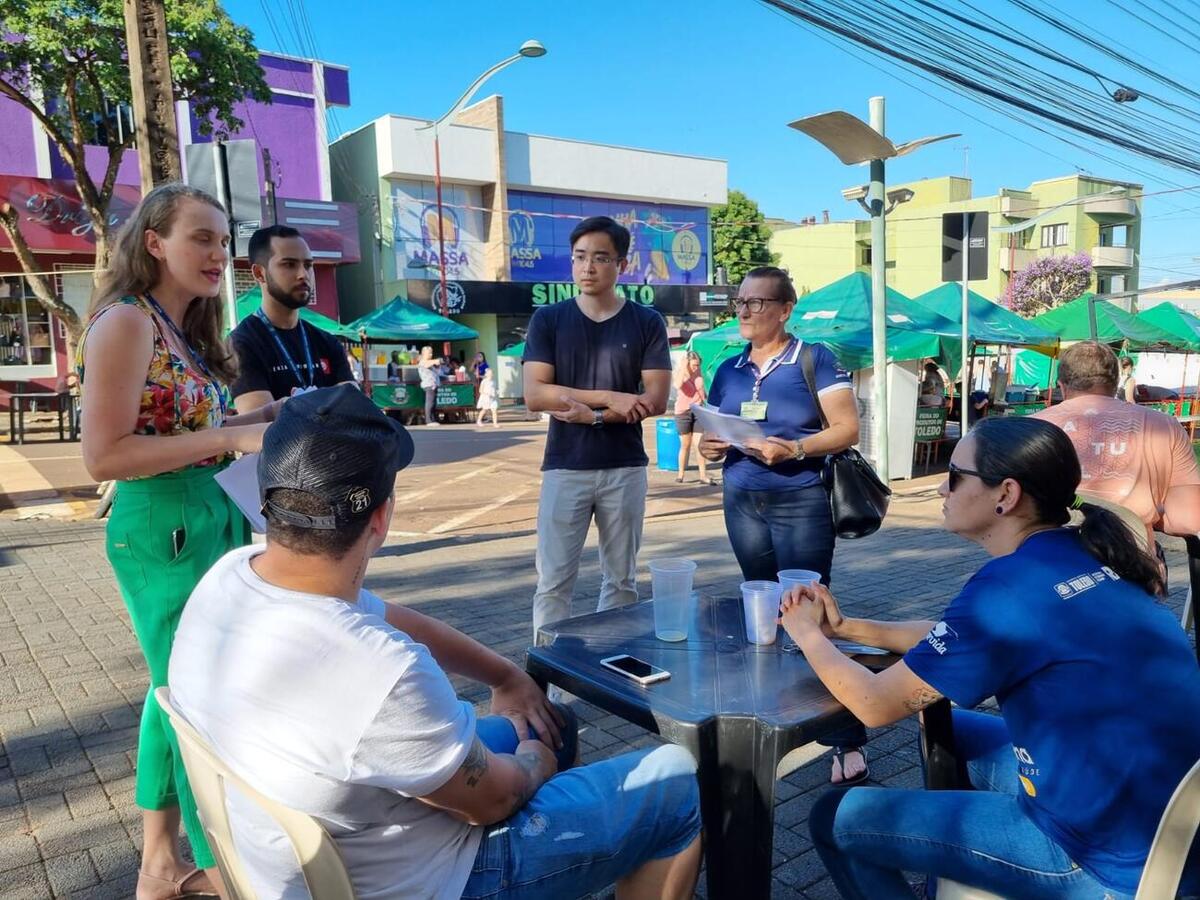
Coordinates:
<point>717,78</point>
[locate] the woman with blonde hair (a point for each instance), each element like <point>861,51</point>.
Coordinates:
<point>689,388</point>
<point>154,371</point>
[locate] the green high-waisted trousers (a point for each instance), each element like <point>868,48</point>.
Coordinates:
<point>155,583</point>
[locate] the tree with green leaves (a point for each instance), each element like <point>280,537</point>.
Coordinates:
<point>65,62</point>
<point>739,237</point>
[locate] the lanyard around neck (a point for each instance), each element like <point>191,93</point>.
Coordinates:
<point>196,357</point>
<point>772,364</point>
<point>287,357</point>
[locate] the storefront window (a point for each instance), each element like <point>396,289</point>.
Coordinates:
<point>26,335</point>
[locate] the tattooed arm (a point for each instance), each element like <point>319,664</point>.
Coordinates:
<point>489,787</point>
<point>877,699</point>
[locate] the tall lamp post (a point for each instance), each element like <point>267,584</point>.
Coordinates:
<point>854,142</point>
<point>1041,217</point>
<point>528,50</point>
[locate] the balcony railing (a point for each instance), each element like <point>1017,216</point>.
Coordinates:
<point>1112,257</point>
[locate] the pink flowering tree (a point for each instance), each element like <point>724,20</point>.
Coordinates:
<point>1049,282</point>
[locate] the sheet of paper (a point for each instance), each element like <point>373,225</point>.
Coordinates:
<point>729,428</point>
<point>240,482</point>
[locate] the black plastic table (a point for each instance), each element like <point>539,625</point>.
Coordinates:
<point>738,707</point>
<point>64,404</point>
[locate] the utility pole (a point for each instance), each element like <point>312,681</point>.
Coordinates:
<point>230,289</point>
<point>877,201</point>
<point>269,185</point>
<point>153,93</point>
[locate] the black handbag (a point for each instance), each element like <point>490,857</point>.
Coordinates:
<point>858,498</point>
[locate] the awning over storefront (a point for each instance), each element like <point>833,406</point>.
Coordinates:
<point>404,321</point>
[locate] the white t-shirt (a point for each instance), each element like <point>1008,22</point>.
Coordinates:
<point>328,709</point>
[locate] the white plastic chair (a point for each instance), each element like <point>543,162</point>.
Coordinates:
<point>1168,853</point>
<point>320,861</point>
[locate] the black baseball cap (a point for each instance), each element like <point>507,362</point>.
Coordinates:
<point>336,445</point>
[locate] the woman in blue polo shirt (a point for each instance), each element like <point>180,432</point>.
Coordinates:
<point>1098,689</point>
<point>777,511</point>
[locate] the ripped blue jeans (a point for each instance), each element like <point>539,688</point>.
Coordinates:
<point>587,827</point>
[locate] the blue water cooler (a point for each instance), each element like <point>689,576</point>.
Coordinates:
<point>666,443</point>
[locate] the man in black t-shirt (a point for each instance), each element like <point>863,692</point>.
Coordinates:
<point>599,365</point>
<point>279,353</point>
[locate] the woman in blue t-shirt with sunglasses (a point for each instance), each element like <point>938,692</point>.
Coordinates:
<point>1098,688</point>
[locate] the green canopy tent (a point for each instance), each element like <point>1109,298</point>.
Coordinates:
<point>517,350</point>
<point>839,316</point>
<point>248,302</point>
<point>401,320</point>
<point>988,322</point>
<point>1180,323</point>
<point>1071,322</point>
<point>1163,332</point>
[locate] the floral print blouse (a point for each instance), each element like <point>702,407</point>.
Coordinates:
<point>177,397</point>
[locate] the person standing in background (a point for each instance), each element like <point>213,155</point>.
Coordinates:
<point>598,365</point>
<point>279,354</point>
<point>154,374</point>
<point>429,368</point>
<point>1127,386</point>
<point>689,388</point>
<point>777,510</point>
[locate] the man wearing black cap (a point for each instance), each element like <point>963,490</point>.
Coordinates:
<point>336,703</point>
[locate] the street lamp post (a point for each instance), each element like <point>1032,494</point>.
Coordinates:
<point>854,142</point>
<point>1031,223</point>
<point>528,50</point>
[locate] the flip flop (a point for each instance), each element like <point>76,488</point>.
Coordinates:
<point>181,892</point>
<point>839,754</point>
<point>679,481</point>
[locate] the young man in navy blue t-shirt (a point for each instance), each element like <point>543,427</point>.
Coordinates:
<point>599,365</point>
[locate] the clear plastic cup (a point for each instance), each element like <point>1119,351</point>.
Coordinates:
<point>760,604</point>
<point>789,578</point>
<point>671,581</point>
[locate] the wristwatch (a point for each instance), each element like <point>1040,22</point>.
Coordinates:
<point>597,418</point>
<point>799,454</point>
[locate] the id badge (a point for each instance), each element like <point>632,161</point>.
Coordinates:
<point>754,410</point>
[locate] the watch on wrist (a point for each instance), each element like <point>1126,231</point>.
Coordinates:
<point>597,418</point>
<point>799,454</point>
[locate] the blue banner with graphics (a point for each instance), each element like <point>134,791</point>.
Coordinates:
<point>669,243</point>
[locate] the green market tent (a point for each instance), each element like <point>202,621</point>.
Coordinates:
<point>839,316</point>
<point>989,323</point>
<point>1170,318</point>
<point>252,299</point>
<point>1113,325</point>
<point>1173,328</point>
<point>517,350</point>
<point>401,320</point>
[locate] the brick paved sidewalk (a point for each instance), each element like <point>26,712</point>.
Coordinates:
<point>73,680</point>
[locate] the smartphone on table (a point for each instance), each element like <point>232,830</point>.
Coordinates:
<point>635,669</point>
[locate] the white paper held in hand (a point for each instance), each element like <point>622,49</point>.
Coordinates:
<point>732,429</point>
<point>240,482</point>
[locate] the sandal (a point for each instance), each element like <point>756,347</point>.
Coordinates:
<point>707,480</point>
<point>839,756</point>
<point>679,480</point>
<point>181,892</point>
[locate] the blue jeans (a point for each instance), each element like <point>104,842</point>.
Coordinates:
<point>587,827</point>
<point>774,530</point>
<point>868,837</point>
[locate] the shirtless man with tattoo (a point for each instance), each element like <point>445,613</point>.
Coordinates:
<point>337,703</point>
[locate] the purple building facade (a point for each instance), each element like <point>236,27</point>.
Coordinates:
<point>37,181</point>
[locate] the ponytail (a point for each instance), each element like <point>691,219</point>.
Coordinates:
<point>1107,538</point>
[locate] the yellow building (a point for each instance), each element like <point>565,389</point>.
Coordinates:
<point>1107,228</point>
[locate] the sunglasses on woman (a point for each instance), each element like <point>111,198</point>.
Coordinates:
<point>955,473</point>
